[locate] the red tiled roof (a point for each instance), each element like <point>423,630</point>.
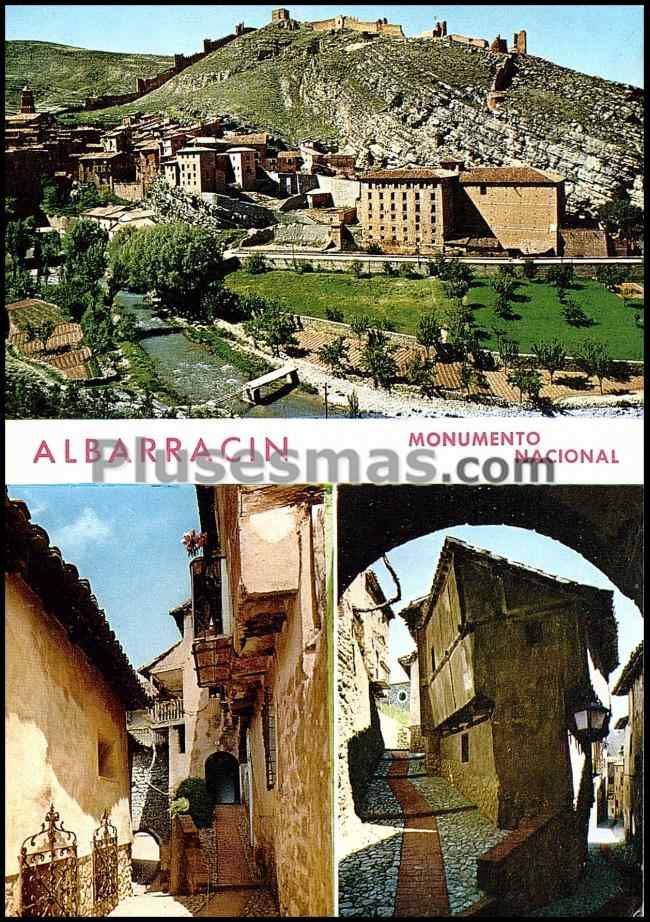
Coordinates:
<point>416,173</point>
<point>508,174</point>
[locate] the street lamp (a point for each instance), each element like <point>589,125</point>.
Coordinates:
<point>588,717</point>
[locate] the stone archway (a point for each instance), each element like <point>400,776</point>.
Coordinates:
<point>222,778</point>
<point>145,856</point>
<point>603,523</point>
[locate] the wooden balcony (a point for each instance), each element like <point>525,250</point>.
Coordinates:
<point>167,712</point>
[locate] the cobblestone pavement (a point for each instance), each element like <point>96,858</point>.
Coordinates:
<point>465,837</point>
<point>426,868</point>
<point>368,877</point>
<point>600,884</point>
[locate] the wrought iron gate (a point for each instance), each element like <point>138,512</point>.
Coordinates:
<point>49,880</point>
<point>105,866</point>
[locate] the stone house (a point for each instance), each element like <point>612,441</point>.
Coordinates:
<point>521,207</point>
<point>514,209</point>
<point>198,170</point>
<point>480,702</point>
<point>363,674</point>
<point>106,168</point>
<point>243,161</point>
<point>409,664</point>
<point>615,787</point>
<point>66,744</point>
<point>630,683</point>
<point>242,698</point>
<point>406,210</point>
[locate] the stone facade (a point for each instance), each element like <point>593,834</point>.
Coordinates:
<point>480,703</point>
<point>399,695</point>
<point>521,207</point>
<point>373,27</point>
<point>361,645</point>
<point>149,781</point>
<point>265,709</point>
<point>630,683</point>
<point>406,210</point>
<point>243,162</point>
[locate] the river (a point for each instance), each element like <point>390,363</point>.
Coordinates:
<point>198,376</point>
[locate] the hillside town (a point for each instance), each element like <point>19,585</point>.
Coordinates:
<point>200,783</point>
<point>461,284</point>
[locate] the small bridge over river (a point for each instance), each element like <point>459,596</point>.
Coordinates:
<point>251,391</point>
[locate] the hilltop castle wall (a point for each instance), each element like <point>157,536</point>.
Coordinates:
<point>338,23</point>
<point>144,85</point>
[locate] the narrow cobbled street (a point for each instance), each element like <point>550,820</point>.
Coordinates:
<point>427,839</point>
<point>235,889</point>
<point>416,852</point>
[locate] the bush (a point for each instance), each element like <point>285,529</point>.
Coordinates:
<point>356,269</point>
<point>303,267</point>
<point>201,807</point>
<point>335,314</point>
<point>406,271</point>
<point>388,268</point>
<point>255,264</point>
<point>529,269</point>
<point>374,249</point>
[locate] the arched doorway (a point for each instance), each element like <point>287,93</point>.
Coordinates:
<point>222,778</point>
<point>145,857</point>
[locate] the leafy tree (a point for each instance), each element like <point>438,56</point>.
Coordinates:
<point>422,374</point>
<point>502,304</point>
<point>561,276</point>
<point>20,285</point>
<point>551,355</point>
<point>201,806</point>
<point>180,263</point>
<point>428,332</point>
<point>457,325</point>
<point>360,324</point>
<point>19,237</point>
<point>373,249</point>
<point>468,377</point>
<point>388,268</point>
<point>528,269</point>
<point>49,250</point>
<point>354,411</point>
<point>334,314</point>
<point>406,271</point>
<point>97,326</point>
<point>611,276</point>
<point>594,359</point>
<point>526,380</point>
<point>622,219</point>
<point>273,327</point>
<point>378,359</point>
<point>334,354</point>
<point>255,264</point>
<point>356,269</point>
<point>508,351</point>
<point>72,296</point>
<point>304,266</point>
<point>437,267</point>
<point>574,314</point>
<point>503,281</point>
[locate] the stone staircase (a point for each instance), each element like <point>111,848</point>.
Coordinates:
<point>235,866</point>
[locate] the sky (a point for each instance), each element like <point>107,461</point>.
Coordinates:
<point>606,40</point>
<point>126,540</point>
<point>415,564</point>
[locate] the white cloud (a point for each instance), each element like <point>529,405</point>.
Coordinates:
<point>87,528</point>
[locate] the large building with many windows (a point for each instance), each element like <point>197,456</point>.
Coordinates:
<point>406,210</point>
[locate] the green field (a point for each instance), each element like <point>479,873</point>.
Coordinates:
<point>536,309</point>
<point>64,75</point>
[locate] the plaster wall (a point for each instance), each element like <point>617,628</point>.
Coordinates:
<point>58,708</point>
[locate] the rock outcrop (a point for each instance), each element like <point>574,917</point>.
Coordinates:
<point>406,103</point>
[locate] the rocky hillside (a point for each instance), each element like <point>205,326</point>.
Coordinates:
<point>62,75</point>
<point>402,103</point>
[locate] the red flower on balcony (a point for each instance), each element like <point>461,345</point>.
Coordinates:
<point>194,542</point>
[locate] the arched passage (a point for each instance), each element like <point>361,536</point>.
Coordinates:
<point>602,523</point>
<point>145,856</point>
<point>222,778</point>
